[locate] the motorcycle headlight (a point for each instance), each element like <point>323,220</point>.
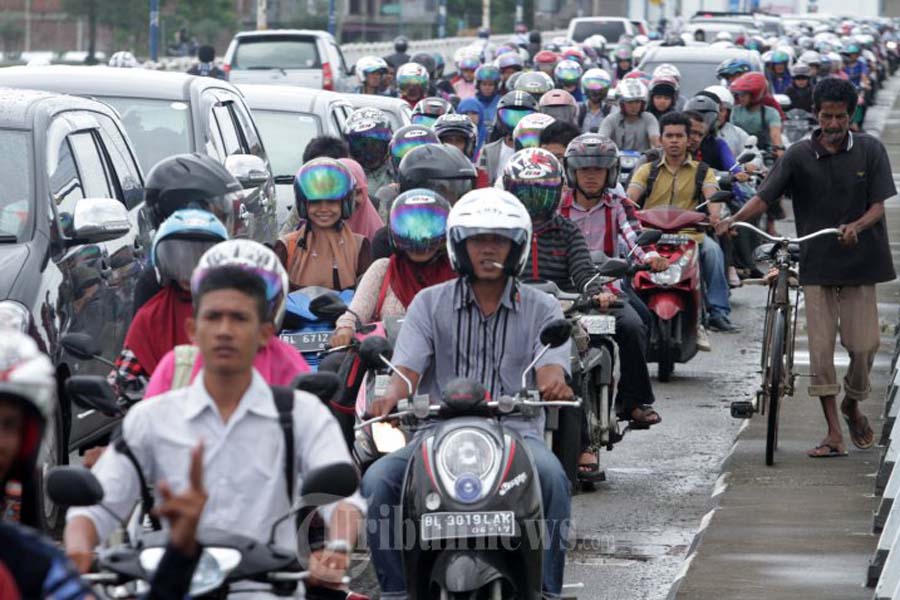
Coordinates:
<point>468,461</point>
<point>14,315</point>
<point>213,567</point>
<point>670,276</point>
<point>627,162</point>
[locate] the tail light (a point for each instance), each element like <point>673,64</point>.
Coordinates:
<point>327,77</point>
<point>227,68</point>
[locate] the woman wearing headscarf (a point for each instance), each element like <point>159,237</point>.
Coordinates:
<point>473,109</point>
<point>365,219</point>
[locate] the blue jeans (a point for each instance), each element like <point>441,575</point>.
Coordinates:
<point>712,269</point>
<point>382,486</point>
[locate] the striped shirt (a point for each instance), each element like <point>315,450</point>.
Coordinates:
<point>559,253</point>
<point>445,335</point>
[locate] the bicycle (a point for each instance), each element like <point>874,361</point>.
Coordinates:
<point>779,333</point>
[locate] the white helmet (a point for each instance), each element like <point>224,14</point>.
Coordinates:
<point>369,64</point>
<point>124,59</point>
<point>810,57</point>
<point>597,42</point>
<point>724,36</point>
<point>721,92</point>
<point>259,260</point>
<point>27,376</point>
<point>490,211</point>
<point>630,90</point>
<point>667,70</point>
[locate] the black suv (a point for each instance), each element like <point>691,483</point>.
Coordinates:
<point>70,246</point>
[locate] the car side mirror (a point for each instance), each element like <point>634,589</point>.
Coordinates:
<point>372,349</point>
<point>73,486</point>
<point>338,479</point>
<point>98,220</point>
<point>80,345</point>
<point>327,307</point>
<point>93,392</point>
<point>556,333</point>
<point>250,170</point>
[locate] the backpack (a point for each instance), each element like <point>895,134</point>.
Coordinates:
<point>702,170</point>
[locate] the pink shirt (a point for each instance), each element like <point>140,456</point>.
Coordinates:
<point>278,363</point>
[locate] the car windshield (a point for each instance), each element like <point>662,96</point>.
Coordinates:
<point>157,128</point>
<point>15,181</point>
<point>285,136</point>
<point>611,30</point>
<point>276,52</point>
<point>695,76</point>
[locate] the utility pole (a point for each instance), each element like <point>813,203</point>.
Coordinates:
<point>442,19</point>
<point>262,15</point>
<point>332,17</point>
<point>27,25</point>
<point>520,12</point>
<point>486,14</point>
<point>154,30</point>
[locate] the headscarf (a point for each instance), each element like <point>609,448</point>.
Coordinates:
<point>159,325</point>
<point>408,278</point>
<point>364,220</point>
<point>472,105</point>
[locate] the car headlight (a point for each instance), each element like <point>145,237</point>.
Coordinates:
<point>14,315</point>
<point>468,461</point>
<point>213,567</point>
<point>670,276</point>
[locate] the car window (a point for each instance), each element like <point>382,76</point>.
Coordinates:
<point>65,185</point>
<point>695,76</point>
<point>286,135</point>
<point>16,176</point>
<point>277,52</point>
<point>126,176</point>
<point>157,128</point>
<point>91,167</point>
<point>221,118</point>
<point>337,50</point>
<point>611,30</point>
<point>248,129</point>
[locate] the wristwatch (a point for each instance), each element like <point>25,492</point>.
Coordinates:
<point>342,546</point>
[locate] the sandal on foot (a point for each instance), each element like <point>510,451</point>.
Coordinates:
<point>646,421</point>
<point>830,451</point>
<point>858,434</point>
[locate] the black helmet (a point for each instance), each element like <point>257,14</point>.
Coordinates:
<point>190,181</point>
<point>592,150</point>
<point>400,44</point>
<point>368,133</point>
<point>512,107</point>
<point>408,137</point>
<point>438,167</point>
<point>455,124</point>
<point>428,110</point>
<point>535,177</point>
<point>426,60</point>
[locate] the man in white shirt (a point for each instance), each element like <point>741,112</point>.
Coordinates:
<point>231,408</point>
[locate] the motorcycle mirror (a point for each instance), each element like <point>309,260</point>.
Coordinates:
<point>327,307</point>
<point>598,257</point>
<point>322,384</point>
<point>94,392</point>
<point>372,349</point>
<point>338,479</point>
<point>556,333</point>
<point>719,197</point>
<point>746,157</point>
<point>73,486</point>
<point>649,236</point>
<point>613,267</point>
<point>80,345</point>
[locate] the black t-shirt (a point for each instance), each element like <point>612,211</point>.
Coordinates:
<point>829,190</point>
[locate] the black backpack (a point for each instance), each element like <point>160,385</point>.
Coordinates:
<point>702,170</point>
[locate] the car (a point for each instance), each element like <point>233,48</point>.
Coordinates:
<point>288,118</point>
<point>697,64</point>
<point>167,113</point>
<point>641,26</point>
<point>612,28</point>
<point>301,57</point>
<point>708,30</point>
<point>397,110</point>
<point>72,248</point>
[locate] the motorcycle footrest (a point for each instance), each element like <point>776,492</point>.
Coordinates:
<point>742,409</point>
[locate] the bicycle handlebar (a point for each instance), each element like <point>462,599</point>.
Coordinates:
<point>785,239</point>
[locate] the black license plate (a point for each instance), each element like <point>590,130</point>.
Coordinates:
<point>449,525</point>
<point>307,342</point>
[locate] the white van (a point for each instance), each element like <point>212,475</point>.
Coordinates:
<point>612,28</point>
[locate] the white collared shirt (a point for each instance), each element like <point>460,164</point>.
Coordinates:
<point>243,459</point>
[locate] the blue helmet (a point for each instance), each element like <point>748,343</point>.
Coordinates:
<point>181,240</point>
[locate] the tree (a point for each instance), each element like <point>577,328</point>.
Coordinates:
<point>127,18</point>
<point>10,33</point>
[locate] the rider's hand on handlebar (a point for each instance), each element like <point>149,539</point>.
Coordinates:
<point>342,337</point>
<point>327,568</point>
<point>849,234</point>
<point>604,299</point>
<point>742,177</point>
<point>658,263</point>
<point>382,406</point>
<point>724,226</point>
<point>556,391</point>
<point>183,510</point>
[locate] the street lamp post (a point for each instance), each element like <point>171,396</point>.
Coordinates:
<point>332,17</point>
<point>442,19</point>
<point>154,30</point>
<point>486,14</point>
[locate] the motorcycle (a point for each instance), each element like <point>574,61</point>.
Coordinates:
<point>628,161</point>
<point>227,559</point>
<point>673,296</point>
<point>799,124</point>
<point>307,331</point>
<point>471,497</point>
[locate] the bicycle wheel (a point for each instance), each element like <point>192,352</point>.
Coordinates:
<point>774,384</point>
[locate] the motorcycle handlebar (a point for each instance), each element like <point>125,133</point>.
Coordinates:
<point>785,239</point>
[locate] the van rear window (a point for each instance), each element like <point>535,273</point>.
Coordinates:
<point>277,52</point>
<point>611,30</point>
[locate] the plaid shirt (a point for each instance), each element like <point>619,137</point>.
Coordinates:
<point>129,375</point>
<point>593,223</point>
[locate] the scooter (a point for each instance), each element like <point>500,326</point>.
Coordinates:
<point>307,331</point>
<point>628,160</point>
<point>799,124</point>
<point>673,296</point>
<point>471,497</point>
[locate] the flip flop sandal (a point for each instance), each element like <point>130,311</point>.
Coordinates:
<point>858,433</point>
<point>641,424</point>
<point>833,452</point>
<point>590,474</point>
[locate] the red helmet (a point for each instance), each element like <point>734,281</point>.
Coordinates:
<point>546,57</point>
<point>752,83</point>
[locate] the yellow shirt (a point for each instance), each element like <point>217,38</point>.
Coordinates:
<point>673,187</point>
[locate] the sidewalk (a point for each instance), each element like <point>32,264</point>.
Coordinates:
<point>802,528</point>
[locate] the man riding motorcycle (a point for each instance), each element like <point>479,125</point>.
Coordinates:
<point>633,127</point>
